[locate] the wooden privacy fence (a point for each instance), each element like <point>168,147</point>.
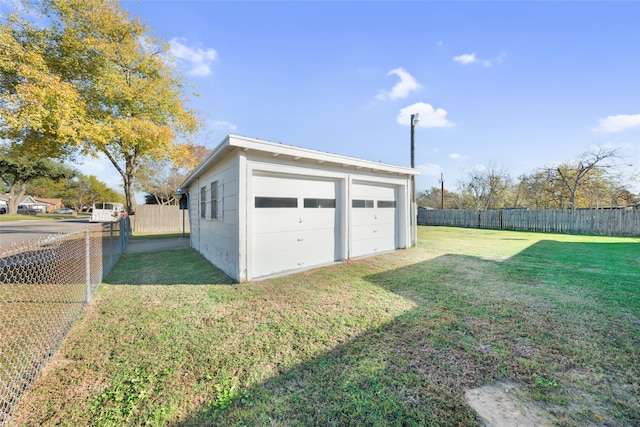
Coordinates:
<point>159,219</point>
<point>603,222</point>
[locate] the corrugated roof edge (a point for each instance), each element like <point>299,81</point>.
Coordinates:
<point>232,141</point>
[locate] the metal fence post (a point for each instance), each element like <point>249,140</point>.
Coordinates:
<point>123,231</point>
<point>110,245</point>
<point>87,263</point>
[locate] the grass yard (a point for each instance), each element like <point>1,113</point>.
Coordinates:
<point>38,217</point>
<point>395,339</point>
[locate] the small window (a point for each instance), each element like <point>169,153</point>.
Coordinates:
<point>319,203</point>
<point>203,202</point>
<point>361,203</point>
<point>214,200</point>
<point>276,202</point>
<point>386,203</point>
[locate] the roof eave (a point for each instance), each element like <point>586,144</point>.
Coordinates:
<point>276,149</point>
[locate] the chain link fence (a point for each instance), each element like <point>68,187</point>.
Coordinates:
<point>44,286</point>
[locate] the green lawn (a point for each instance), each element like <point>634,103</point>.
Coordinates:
<point>389,340</point>
<point>37,217</point>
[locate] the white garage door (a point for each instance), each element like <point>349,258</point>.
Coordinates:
<point>294,224</point>
<point>374,219</point>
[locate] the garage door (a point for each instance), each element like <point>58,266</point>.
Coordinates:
<point>374,219</point>
<point>294,224</point>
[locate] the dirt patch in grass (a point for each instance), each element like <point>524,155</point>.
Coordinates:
<point>503,405</point>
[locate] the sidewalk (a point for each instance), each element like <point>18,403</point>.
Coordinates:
<point>152,245</point>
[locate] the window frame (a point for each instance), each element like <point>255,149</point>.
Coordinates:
<point>214,200</point>
<point>260,202</point>
<point>362,203</point>
<point>386,204</point>
<point>318,203</point>
<point>203,202</point>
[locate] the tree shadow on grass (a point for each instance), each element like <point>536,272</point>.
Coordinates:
<point>475,322</point>
<point>410,371</point>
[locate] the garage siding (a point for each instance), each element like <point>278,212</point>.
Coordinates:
<point>285,208</point>
<point>217,239</point>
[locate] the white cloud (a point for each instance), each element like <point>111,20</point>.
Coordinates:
<point>196,61</point>
<point>618,123</point>
<point>403,88</point>
<point>430,169</point>
<point>470,58</point>
<point>457,156</point>
<point>429,117</point>
<point>465,59</point>
<point>221,124</point>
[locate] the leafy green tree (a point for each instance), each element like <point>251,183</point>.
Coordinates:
<point>17,170</point>
<point>79,192</point>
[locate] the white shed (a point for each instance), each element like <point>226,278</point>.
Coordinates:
<point>259,208</point>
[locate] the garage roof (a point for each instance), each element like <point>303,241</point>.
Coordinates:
<point>232,142</point>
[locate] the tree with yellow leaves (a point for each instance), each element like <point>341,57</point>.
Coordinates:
<point>41,115</point>
<point>128,90</point>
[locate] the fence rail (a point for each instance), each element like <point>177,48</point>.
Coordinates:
<point>44,286</point>
<point>604,222</point>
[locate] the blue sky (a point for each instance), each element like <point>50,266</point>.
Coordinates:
<point>519,85</point>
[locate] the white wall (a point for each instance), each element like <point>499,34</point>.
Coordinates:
<point>226,243</point>
<point>217,240</point>
<point>259,162</point>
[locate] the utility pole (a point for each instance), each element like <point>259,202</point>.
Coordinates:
<point>441,191</point>
<point>415,118</point>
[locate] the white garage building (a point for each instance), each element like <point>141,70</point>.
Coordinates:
<point>259,208</point>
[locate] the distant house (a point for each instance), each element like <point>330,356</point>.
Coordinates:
<point>50,204</point>
<point>30,203</point>
<point>258,208</point>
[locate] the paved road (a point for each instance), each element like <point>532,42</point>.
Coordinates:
<point>18,232</point>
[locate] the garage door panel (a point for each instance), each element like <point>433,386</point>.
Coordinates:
<point>370,190</point>
<point>314,219</point>
<point>282,220</point>
<point>295,237</point>
<point>274,220</point>
<point>370,246</point>
<point>318,246</point>
<point>281,186</point>
<point>374,217</point>
<point>275,242</point>
<point>373,224</point>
